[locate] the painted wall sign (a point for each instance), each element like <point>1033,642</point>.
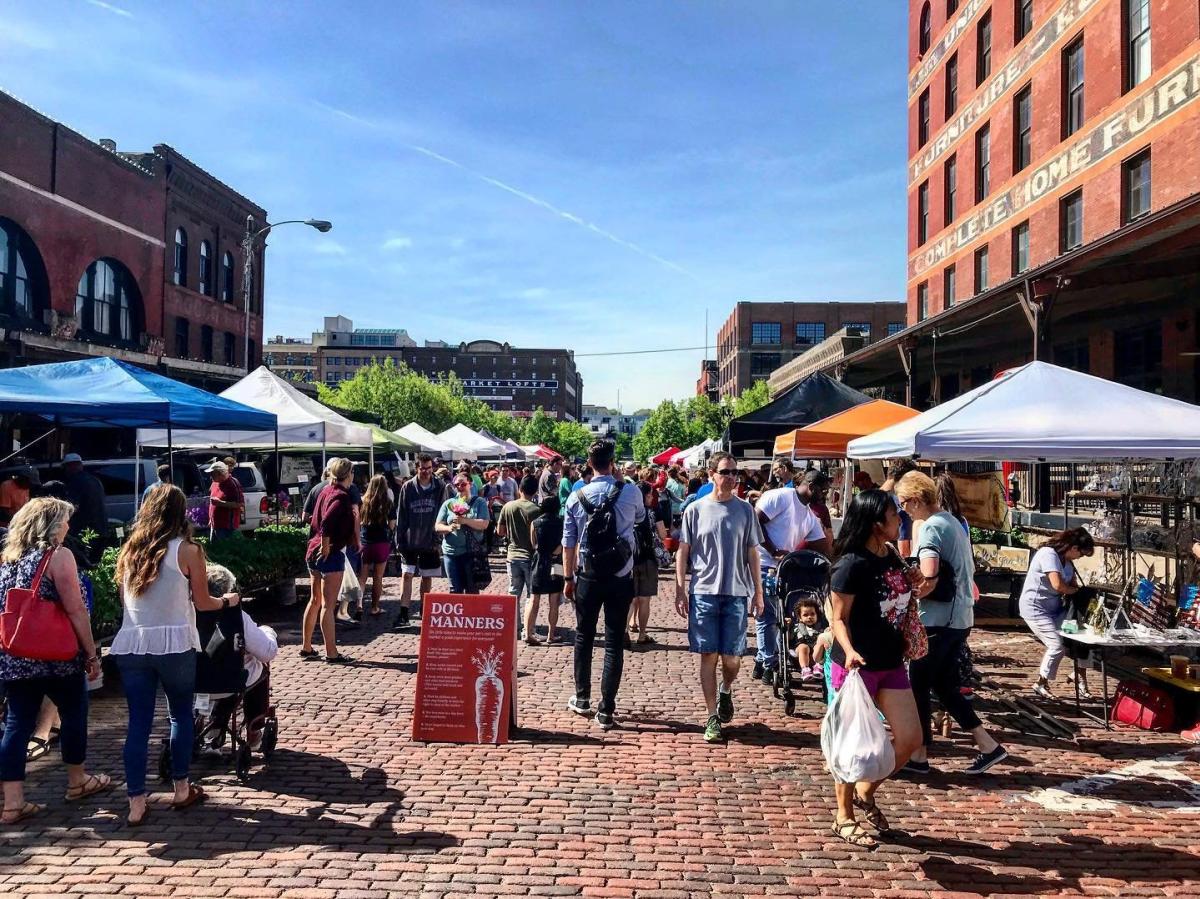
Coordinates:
<point>1171,93</point>
<point>511,383</point>
<point>938,51</point>
<point>1061,24</point>
<point>466,669</point>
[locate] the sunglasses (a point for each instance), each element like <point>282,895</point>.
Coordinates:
<point>728,472</point>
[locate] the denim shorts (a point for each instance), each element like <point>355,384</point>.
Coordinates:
<point>331,564</point>
<point>717,624</point>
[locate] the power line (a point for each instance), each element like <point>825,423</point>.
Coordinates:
<point>678,349</point>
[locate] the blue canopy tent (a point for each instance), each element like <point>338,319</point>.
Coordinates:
<point>106,392</point>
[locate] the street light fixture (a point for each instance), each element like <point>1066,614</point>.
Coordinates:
<point>248,241</point>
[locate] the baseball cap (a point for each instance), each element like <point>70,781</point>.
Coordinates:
<point>72,457</point>
<point>31,474</point>
<point>217,467</point>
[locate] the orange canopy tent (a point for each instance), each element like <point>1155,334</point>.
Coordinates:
<point>827,438</point>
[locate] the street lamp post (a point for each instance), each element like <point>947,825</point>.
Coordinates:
<point>248,241</point>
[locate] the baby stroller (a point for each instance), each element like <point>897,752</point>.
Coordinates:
<point>801,574</point>
<point>221,675</point>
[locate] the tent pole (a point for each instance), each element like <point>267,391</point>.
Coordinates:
<point>324,463</point>
<point>278,476</point>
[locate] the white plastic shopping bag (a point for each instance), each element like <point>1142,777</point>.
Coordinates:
<point>853,737</point>
<point>351,591</point>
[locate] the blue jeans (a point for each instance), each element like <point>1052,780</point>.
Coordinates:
<point>141,676</point>
<point>222,533</point>
<point>25,696</point>
<point>458,570</point>
<point>717,624</point>
<point>766,627</point>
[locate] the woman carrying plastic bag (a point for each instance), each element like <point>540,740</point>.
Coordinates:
<point>874,633</point>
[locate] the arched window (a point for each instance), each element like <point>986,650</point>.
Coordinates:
<point>926,28</point>
<point>205,268</point>
<point>181,257</point>
<point>23,287</point>
<point>108,303</point>
<point>227,277</point>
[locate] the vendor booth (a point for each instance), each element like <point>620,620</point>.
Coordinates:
<point>539,451</point>
<point>429,442</point>
<point>471,443</point>
<point>816,397</point>
<point>829,437</point>
<point>665,456</point>
<point>511,450</point>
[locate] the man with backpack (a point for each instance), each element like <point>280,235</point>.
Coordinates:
<point>598,550</point>
<point>416,509</point>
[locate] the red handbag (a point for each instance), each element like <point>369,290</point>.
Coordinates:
<point>1140,705</point>
<point>34,627</point>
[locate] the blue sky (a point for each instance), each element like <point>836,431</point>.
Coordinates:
<point>591,175</point>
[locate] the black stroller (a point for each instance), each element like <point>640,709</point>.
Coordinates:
<point>800,575</point>
<point>221,674</point>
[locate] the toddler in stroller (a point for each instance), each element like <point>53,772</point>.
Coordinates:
<point>808,631</point>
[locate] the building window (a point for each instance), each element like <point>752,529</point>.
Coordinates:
<point>24,291</point>
<point>182,338</point>
<point>1137,357</point>
<point>1023,20</point>
<point>1070,214</point>
<point>810,333</point>
<point>762,364</point>
<point>923,213</point>
<point>229,349</point>
<point>205,268</point>
<point>926,37</point>
<point>948,287</point>
<point>1075,355</point>
<point>983,48</point>
<point>922,301</point>
<point>227,277</point>
<point>894,328</point>
<point>107,302</point>
<point>765,332</point>
<point>981,269</point>
<point>1020,248</point>
<point>181,249</point>
<point>251,353</point>
<point>983,163</point>
<point>1137,36</point>
<point>923,118</point>
<point>206,343</point>
<point>1073,88</point>
<point>1023,129</point>
<point>951,7</point>
<point>951,85</point>
<point>861,328</point>
<point>1135,178</point>
<point>950,188</point>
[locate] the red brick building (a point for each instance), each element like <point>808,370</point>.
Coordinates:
<point>1053,194</point>
<point>131,255</point>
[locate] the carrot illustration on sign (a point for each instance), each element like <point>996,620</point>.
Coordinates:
<point>489,694</point>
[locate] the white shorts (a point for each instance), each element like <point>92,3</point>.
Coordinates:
<point>426,563</point>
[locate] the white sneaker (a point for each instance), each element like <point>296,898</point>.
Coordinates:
<point>1040,690</point>
<point>579,706</point>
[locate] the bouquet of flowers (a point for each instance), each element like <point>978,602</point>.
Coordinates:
<point>458,507</point>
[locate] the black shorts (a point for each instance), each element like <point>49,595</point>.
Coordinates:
<point>425,562</point>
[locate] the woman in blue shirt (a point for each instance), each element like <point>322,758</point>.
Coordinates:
<point>461,521</point>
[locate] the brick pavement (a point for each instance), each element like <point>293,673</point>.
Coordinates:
<point>351,807</point>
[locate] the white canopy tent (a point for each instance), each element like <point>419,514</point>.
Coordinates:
<point>1041,413</point>
<point>695,455</point>
<point>431,442</point>
<point>473,443</point>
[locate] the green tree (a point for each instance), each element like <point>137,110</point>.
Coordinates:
<point>706,420</point>
<point>571,439</point>
<point>624,445</point>
<point>667,426</point>
<point>539,429</point>
<point>396,394</point>
<point>751,399</point>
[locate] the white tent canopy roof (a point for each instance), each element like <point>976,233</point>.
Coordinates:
<point>302,420</point>
<point>473,443</point>
<point>1041,412</point>
<point>430,442</point>
<point>694,455</point>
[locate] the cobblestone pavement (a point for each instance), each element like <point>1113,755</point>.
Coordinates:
<point>351,807</point>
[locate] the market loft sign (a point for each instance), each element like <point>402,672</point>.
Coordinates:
<point>1170,94</point>
<point>1058,26</point>
<point>510,383</point>
<point>938,51</point>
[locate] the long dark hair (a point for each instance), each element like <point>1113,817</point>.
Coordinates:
<point>1072,538</point>
<point>866,510</point>
<point>162,518</point>
<point>947,495</point>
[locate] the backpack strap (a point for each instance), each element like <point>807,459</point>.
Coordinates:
<point>587,505</point>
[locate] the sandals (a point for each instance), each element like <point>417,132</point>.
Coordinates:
<point>95,783</point>
<point>309,654</point>
<point>37,748</point>
<point>852,833</point>
<point>28,810</point>
<point>339,659</point>
<point>872,813</point>
<point>195,795</point>
<point>130,821</point>
<point>645,640</point>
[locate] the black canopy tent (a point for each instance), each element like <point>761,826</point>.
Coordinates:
<point>816,397</point>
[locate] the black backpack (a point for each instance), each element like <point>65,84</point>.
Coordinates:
<point>643,539</point>
<point>606,553</point>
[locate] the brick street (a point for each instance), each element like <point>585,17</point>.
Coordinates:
<point>351,807</point>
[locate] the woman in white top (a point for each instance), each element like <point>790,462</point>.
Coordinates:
<point>1044,606</point>
<point>164,581</point>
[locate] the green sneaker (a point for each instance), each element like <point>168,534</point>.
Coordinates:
<point>712,733</point>
<point>725,706</point>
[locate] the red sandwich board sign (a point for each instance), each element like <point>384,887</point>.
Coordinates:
<point>466,668</point>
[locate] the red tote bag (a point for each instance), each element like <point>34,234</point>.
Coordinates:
<point>34,627</point>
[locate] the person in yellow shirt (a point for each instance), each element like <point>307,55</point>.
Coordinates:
<point>14,493</point>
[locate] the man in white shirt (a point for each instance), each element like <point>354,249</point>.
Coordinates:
<point>787,525</point>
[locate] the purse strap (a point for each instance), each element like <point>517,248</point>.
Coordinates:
<point>41,570</point>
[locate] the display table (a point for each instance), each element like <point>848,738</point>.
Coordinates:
<point>1101,644</point>
<point>1184,691</point>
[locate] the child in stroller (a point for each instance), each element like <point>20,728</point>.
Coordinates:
<point>257,714</point>
<point>806,638</point>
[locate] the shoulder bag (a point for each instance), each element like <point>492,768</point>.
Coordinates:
<point>35,627</point>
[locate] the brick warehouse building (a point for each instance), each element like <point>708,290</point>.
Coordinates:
<point>758,338</point>
<point>516,380</point>
<point>130,255</point>
<point>1054,195</point>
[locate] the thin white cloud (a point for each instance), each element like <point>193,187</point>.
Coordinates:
<point>329,248</point>
<point>115,10</point>
<point>397,243</point>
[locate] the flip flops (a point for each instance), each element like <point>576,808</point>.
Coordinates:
<point>195,795</point>
<point>28,810</point>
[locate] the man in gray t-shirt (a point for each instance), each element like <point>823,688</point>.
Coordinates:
<point>720,537</point>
